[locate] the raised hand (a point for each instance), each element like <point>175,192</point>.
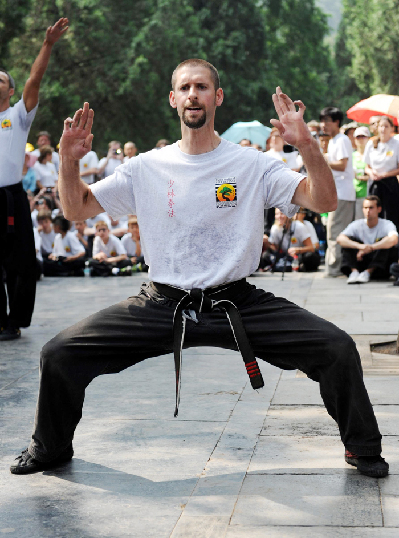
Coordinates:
<point>76,138</point>
<point>290,124</point>
<point>53,33</point>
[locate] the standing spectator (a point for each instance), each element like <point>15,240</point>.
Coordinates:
<point>314,128</point>
<point>339,157</point>
<point>88,167</point>
<point>277,150</point>
<point>46,172</point>
<point>113,159</point>
<point>373,125</point>
<point>162,143</point>
<point>361,137</point>
<point>67,257</point>
<point>17,256</point>
<point>44,139</point>
<point>382,165</point>
<point>349,130</point>
<point>108,252</point>
<point>130,150</point>
<point>369,245</point>
<point>245,143</point>
<point>28,174</point>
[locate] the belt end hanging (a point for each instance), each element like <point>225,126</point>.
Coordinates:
<point>255,375</point>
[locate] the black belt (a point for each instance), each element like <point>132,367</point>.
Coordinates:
<point>9,190</point>
<point>205,301</point>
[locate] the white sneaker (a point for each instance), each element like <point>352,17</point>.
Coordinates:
<point>364,277</point>
<point>352,279</point>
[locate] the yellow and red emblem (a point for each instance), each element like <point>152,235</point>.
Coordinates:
<point>226,192</point>
<point>6,124</point>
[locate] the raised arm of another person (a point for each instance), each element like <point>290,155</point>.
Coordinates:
<point>32,86</point>
<point>317,192</point>
<point>77,200</point>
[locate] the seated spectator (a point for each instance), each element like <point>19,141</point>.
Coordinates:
<point>108,253</point>
<point>39,257</point>
<point>130,150</point>
<point>91,223</point>
<point>118,227</point>
<point>28,174</point>
<point>46,232</point>
<point>44,139</point>
<point>368,245</point>
<point>131,242</point>
<point>85,239</point>
<point>394,270</point>
<point>289,239</point>
<point>46,172</point>
<point>114,158</point>
<point>67,257</point>
<point>44,203</point>
<point>300,217</point>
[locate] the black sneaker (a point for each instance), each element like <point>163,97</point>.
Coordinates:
<point>10,333</point>
<point>374,466</point>
<point>27,465</point>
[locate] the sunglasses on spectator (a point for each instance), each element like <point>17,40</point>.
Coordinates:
<point>361,136</point>
<point>102,229</point>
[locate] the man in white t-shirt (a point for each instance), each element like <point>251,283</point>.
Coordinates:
<point>114,158</point>
<point>88,166</point>
<point>17,246</point>
<point>200,205</point>
<point>108,252</point>
<point>369,245</point>
<point>130,150</point>
<point>339,158</point>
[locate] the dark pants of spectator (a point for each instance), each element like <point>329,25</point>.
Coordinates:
<point>140,327</point>
<point>18,260</point>
<point>394,270</point>
<point>105,268</point>
<point>61,267</point>
<point>309,261</point>
<point>387,189</point>
<point>379,260</point>
<point>39,269</point>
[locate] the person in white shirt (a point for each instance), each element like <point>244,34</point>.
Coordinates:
<point>67,257</point>
<point>131,242</point>
<point>46,232</point>
<point>85,238</point>
<point>369,245</point>
<point>46,173</point>
<point>88,166</point>
<point>339,158</point>
<point>39,257</point>
<point>200,205</point>
<point>130,150</point>
<point>276,150</point>
<point>18,259</point>
<point>114,158</point>
<point>44,139</point>
<point>382,166</point>
<point>108,252</point>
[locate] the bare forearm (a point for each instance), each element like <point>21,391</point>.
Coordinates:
<point>319,190</point>
<point>345,242</point>
<point>339,166</point>
<point>386,242</point>
<point>73,191</point>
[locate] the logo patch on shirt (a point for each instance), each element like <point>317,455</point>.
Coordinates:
<point>226,192</point>
<point>6,124</point>
<point>67,249</point>
<point>294,240</point>
<point>113,253</point>
<point>389,153</point>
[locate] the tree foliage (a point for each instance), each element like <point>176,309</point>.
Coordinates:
<point>120,58</point>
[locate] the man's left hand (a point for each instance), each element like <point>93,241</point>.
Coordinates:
<point>53,33</point>
<point>290,124</point>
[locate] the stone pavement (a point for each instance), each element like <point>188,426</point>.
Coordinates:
<point>236,463</point>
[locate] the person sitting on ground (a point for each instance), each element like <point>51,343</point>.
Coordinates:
<point>44,139</point>
<point>368,245</point>
<point>46,171</point>
<point>119,226</point>
<point>46,232</point>
<point>85,240</point>
<point>131,242</point>
<point>108,252</point>
<point>67,258</point>
<point>394,270</point>
<point>288,239</point>
<point>300,216</point>
<point>39,257</point>
<point>28,173</point>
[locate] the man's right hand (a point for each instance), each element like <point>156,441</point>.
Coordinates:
<point>76,138</point>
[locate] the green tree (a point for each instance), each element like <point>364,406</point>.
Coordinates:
<point>12,23</point>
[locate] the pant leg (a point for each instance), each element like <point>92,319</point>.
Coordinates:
<point>107,342</point>
<point>337,221</point>
<point>310,260</point>
<point>289,337</point>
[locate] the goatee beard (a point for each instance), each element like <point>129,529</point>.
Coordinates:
<point>195,123</point>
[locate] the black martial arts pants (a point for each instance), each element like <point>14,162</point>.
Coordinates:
<point>17,260</point>
<point>140,327</point>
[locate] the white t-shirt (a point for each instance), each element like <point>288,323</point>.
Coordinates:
<point>113,248</point>
<point>90,160</point>
<point>384,157</point>
<point>359,230</point>
<point>111,165</point>
<point>67,246</point>
<point>312,231</point>
<point>201,216</point>
<point>294,237</point>
<point>340,147</point>
<point>47,241</point>
<point>46,174</point>
<point>129,244</point>
<point>55,158</point>
<point>15,124</point>
<point>38,244</point>
<point>290,159</point>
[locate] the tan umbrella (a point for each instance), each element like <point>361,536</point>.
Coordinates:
<point>376,105</point>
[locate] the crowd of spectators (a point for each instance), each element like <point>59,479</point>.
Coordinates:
<point>359,239</point>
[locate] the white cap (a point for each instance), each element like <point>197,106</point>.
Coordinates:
<point>362,131</point>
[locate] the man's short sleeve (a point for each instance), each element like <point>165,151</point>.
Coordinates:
<point>351,230</point>
<point>115,193</point>
<point>280,184</point>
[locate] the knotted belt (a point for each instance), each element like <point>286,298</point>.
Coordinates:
<point>205,301</point>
